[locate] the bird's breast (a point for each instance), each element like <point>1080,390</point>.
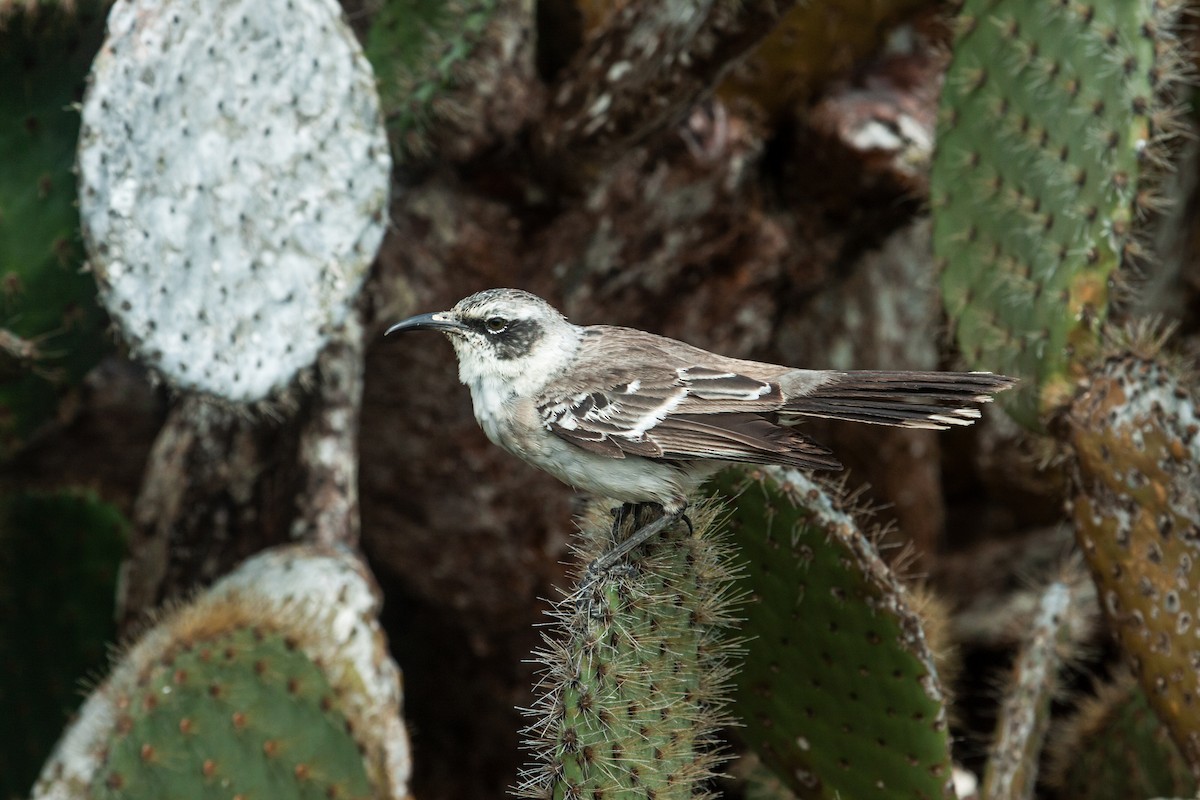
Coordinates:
<point>494,406</point>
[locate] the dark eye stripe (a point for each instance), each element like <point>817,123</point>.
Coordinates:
<point>477,325</point>
<point>516,340</point>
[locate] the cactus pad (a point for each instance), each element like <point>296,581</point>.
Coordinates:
<point>241,711</point>
<point>234,183</point>
<point>1115,747</point>
<point>635,677</point>
<point>1048,120</point>
<point>51,328</point>
<point>1135,432</point>
<point>59,556</point>
<point>274,683</point>
<point>1063,619</point>
<point>839,693</point>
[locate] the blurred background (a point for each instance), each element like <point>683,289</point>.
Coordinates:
<point>766,197</point>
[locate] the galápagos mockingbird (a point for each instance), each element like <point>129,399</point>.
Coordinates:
<point>640,418</point>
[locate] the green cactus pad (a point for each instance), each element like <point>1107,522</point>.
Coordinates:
<point>51,329</point>
<point>635,674</point>
<point>1062,620</point>
<point>1114,747</point>
<point>59,556</point>
<point>1135,435</point>
<point>1048,122</point>
<point>241,712</point>
<point>838,693</point>
<point>418,48</point>
<point>273,683</point>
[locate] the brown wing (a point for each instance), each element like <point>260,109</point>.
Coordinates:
<point>665,399</point>
<point>689,413</point>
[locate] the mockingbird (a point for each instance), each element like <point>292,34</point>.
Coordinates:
<point>640,418</point>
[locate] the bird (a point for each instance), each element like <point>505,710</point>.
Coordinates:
<point>641,419</point>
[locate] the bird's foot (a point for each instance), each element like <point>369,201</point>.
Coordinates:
<point>626,511</point>
<point>642,534</point>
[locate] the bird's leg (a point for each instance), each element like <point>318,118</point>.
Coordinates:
<point>639,536</point>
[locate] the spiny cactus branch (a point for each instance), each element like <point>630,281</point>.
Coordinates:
<point>1064,618</point>
<point>635,674</point>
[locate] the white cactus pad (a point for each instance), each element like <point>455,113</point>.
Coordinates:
<point>234,183</point>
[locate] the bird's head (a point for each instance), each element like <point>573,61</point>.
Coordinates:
<point>503,334</point>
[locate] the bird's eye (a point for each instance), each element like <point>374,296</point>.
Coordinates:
<point>496,324</point>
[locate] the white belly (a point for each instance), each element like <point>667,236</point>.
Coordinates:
<point>514,425</point>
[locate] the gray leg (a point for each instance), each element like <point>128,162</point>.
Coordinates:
<point>641,535</point>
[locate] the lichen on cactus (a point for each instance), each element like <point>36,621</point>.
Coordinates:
<point>1063,619</point>
<point>1135,434</point>
<point>839,693</point>
<point>1050,120</point>
<point>1114,747</point>
<point>275,683</point>
<point>635,673</point>
<point>59,557</point>
<point>51,328</point>
<point>234,183</point>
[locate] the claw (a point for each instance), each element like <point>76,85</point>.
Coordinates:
<point>643,534</point>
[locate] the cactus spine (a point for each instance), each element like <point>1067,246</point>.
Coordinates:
<point>635,676</point>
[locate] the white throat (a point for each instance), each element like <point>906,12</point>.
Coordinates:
<point>495,383</point>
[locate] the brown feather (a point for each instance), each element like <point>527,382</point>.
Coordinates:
<point>666,399</point>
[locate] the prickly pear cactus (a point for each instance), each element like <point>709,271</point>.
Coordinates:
<point>1049,120</point>
<point>839,693</point>
<point>1115,747</point>
<point>51,328</point>
<point>234,182</point>
<point>635,676</point>
<point>1135,435</point>
<point>1063,619</point>
<point>239,708</point>
<point>274,683</point>
<point>59,556</point>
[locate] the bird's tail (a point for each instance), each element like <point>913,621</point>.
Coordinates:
<point>932,400</point>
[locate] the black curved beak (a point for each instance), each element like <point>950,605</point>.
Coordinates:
<point>437,321</point>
